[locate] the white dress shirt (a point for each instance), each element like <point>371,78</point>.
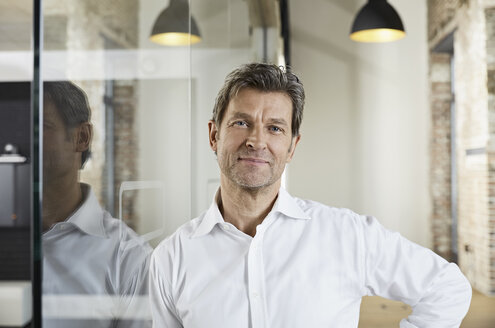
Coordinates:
<point>308,265</point>
<point>95,271</point>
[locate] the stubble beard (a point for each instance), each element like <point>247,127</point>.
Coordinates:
<point>249,180</point>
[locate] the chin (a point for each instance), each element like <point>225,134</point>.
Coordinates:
<point>254,185</point>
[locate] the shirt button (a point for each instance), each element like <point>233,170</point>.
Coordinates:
<point>255,294</point>
<point>226,226</point>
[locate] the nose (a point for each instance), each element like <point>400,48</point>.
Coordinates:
<point>256,139</point>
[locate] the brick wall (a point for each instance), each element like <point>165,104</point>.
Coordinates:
<point>473,136</point>
<point>474,53</point>
<point>490,63</point>
<point>440,14</point>
<point>125,145</point>
<point>440,150</point>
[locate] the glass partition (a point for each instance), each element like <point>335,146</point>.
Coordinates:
<point>235,32</point>
<point>120,140</point>
<point>227,44</point>
<point>117,157</point>
<point>16,161</point>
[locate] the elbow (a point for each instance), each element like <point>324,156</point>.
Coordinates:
<point>467,293</point>
<point>464,294</point>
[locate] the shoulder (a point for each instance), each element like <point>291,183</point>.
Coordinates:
<point>183,233</point>
<point>126,239</point>
<point>342,221</point>
<point>169,257</point>
<point>319,211</point>
<point>171,244</point>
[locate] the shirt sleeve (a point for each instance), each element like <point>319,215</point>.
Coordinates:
<point>134,309</point>
<point>163,310</point>
<point>398,269</point>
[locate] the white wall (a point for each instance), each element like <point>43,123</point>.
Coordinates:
<point>365,130</point>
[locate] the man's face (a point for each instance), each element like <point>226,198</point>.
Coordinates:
<point>254,140</point>
<point>59,155</point>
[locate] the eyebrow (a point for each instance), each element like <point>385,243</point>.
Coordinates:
<point>238,115</point>
<point>241,115</point>
<point>278,121</point>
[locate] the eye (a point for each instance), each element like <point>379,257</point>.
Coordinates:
<point>239,123</point>
<point>275,129</point>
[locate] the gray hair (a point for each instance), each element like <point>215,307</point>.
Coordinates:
<point>266,78</point>
<point>71,103</point>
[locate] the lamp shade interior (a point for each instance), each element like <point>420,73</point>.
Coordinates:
<point>175,39</point>
<point>378,35</point>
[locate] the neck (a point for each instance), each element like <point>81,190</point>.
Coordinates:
<point>60,199</point>
<point>246,208</point>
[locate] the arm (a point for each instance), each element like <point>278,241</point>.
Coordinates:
<point>162,305</point>
<point>399,269</point>
<point>134,308</point>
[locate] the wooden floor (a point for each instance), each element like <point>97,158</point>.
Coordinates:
<point>377,312</point>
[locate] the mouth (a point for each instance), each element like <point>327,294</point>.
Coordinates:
<point>253,160</point>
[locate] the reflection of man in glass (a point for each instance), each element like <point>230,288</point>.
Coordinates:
<point>259,257</point>
<point>94,267</point>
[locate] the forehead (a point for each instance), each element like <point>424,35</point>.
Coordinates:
<point>253,101</point>
<point>49,110</point>
<point>51,114</point>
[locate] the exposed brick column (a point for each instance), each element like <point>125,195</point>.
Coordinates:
<point>440,14</point>
<point>474,49</point>
<point>490,62</point>
<point>472,144</point>
<point>440,150</point>
<point>125,145</point>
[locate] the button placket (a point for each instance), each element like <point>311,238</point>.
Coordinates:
<point>256,281</point>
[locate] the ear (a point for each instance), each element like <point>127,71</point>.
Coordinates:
<point>292,149</point>
<point>213,134</point>
<point>84,135</point>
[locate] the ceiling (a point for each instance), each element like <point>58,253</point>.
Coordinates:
<point>223,22</point>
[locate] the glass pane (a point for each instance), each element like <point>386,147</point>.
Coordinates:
<point>117,154</point>
<point>16,160</point>
<point>15,100</point>
<point>126,154</point>
<point>227,44</point>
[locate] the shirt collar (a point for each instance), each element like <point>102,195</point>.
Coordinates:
<point>284,204</point>
<point>287,205</point>
<point>89,216</point>
<point>210,218</point>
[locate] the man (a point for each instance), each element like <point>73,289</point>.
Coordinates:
<point>94,267</point>
<point>260,258</point>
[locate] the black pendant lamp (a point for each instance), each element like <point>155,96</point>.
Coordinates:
<point>377,21</point>
<point>171,28</point>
